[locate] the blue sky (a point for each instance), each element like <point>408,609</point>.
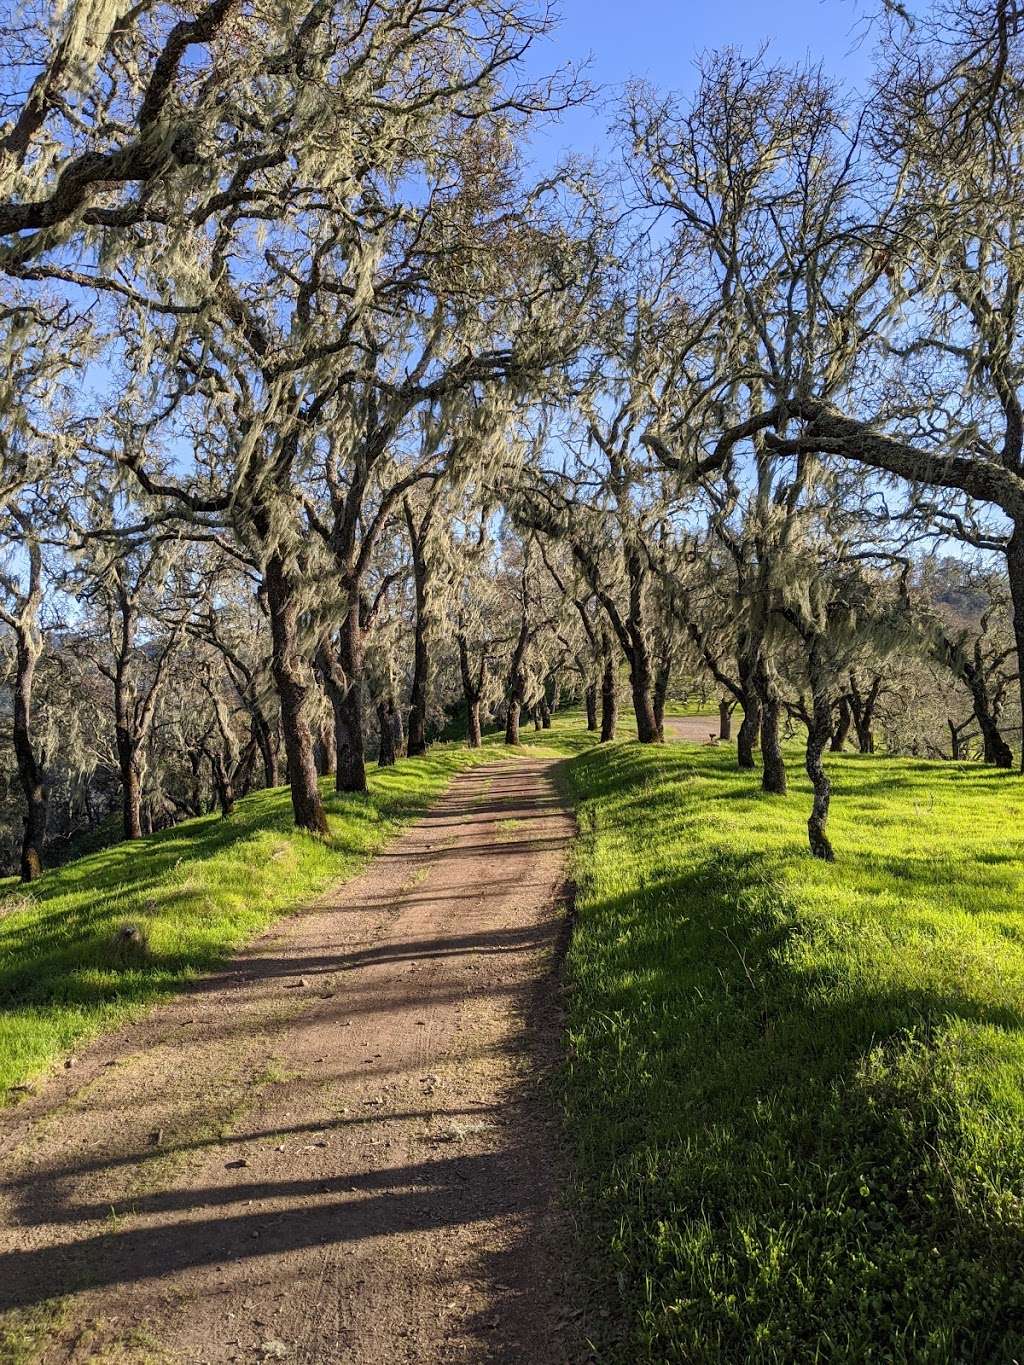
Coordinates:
<point>659,40</point>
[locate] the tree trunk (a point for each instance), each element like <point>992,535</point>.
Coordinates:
<point>641,686</point>
<point>342,671</point>
<point>517,684</point>
<point>1015,570</point>
<point>725,719</point>
<point>750,726</point>
<point>545,714</point>
<point>268,750</point>
<point>819,733</point>
<point>30,772</point>
<point>590,702</point>
<point>609,692</point>
<point>843,723</point>
<point>223,784</point>
<point>386,744</point>
<point>536,715</point>
<point>661,682</point>
<point>865,737</point>
<point>472,690</point>
<point>512,722</point>
<point>328,750</point>
<point>131,789</point>
<point>995,748</point>
<point>417,743</point>
<point>773,773</point>
<point>475,737</point>
<point>291,680</point>
<point>954,740</point>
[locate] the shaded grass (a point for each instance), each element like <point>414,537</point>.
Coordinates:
<point>196,892</point>
<point>796,1090</point>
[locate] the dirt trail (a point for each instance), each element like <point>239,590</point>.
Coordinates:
<point>338,1149</point>
<point>696,729</point>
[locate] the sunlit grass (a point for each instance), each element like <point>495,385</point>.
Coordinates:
<point>796,1090</point>
<point>196,892</point>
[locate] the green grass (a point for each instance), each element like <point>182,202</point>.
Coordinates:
<point>796,1090</point>
<point>198,891</point>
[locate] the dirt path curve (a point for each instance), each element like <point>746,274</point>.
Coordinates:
<point>337,1150</point>
<point>695,729</point>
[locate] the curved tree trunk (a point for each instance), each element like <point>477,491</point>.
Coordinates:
<point>995,748</point>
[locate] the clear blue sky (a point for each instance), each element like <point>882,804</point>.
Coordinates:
<point>659,40</point>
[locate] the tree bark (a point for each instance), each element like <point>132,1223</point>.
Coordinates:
<point>472,691</point>
<point>223,783</point>
<point>474,735</point>
<point>725,709</point>
<point>863,707</point>
<point>590,702</point>
<point>662,678</point>
<point>293,684</point>
<point>844,722</point>
<point>1015,571</point>
<point>386,741</point>
<point>131,790</point>
<point>750,727</point>
<point>819,733</point>
<point>773,771</point>
<point>641,687</point>
<point>341,667</point>
<point>268,750</point>
<point>517,682</point>
<point>30,772</point>
<point>417,728</point>
<point>609,691</point>
<point>512,722</point>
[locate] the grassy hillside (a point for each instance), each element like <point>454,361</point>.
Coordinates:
<point>196,892</point>
<point>797,1090</point>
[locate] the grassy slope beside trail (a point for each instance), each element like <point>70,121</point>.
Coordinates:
<point>198,891</point>
<point>796,1089</point>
